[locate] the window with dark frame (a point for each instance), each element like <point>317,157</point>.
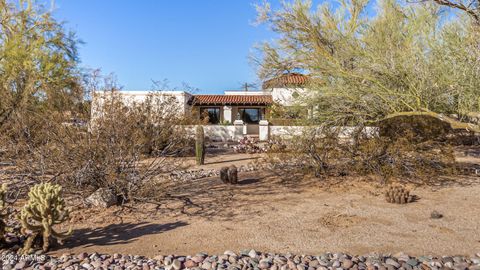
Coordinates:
<point>213,114</point>
<point>250,115</point>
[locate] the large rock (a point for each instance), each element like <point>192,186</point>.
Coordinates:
<point>102,198</point>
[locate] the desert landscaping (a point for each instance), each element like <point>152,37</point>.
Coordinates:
<point>270,211</point>
<point>353,144</point>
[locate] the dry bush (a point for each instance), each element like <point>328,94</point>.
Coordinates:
<point>416,127</point>
<point>129,145</point>
<point>401,158</point>
<point>326,151</point>
<point>320,147</point>
<point>125,146</point>
<point>315,150</point>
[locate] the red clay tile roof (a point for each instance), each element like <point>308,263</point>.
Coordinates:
<point>286,80</point>
<point>232,100</point>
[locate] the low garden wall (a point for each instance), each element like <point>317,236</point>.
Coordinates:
<point>217,132</point>
<point>231,132</point>
<point>290,131</point>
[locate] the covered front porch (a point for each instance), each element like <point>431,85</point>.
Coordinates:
<point>239,111</point>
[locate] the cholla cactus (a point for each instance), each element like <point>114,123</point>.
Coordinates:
<point>200,145</point>
<point>44,209</point>
<point>3,214</point>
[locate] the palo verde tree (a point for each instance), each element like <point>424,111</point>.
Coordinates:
<point>370,60</point>
<point>470,7</point>
<point>38,62</point>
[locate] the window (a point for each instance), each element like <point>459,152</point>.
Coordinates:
<point>213,114</point>
<point>250,115</point>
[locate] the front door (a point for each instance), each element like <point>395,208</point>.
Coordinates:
<point>251,117</point>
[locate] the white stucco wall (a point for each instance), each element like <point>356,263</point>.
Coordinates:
<point>181,99</point>
<point>285,96</point>
<point>217,132</point>
<point>227,133</point>
<point>227,114</point>
<point>290,131</point>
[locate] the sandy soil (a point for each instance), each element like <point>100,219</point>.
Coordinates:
<point>281,213</point>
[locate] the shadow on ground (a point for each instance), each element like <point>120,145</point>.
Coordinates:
<point>117,234</point>
<point>212,199</point>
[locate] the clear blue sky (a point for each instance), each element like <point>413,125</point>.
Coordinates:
<point>204,43</point>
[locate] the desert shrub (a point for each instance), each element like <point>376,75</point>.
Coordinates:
<point>320,146</point>
<point>400,158</point>
<point>464,137</point>
<point>315,151</point>
<point>327,151</point>
<point>125,145</point>
<point>275,145</point>
<point>424,127</point>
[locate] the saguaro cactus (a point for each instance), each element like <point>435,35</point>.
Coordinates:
<point>44,209</point>
<point>3,213</point>
<point>200,145</point>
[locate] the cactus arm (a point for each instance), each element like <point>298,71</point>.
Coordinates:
<point>46,238</point>
<point>61,236</point>
<point>31,227</point>
<point>27,248</point>
<point>27,225</point>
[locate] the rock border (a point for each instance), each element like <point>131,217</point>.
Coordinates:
<point>244,260</point>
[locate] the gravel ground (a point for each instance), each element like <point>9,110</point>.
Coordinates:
<point>247,259</point>
<point>351,217</point>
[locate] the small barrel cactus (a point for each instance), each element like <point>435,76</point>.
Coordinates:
<point>224,175</point>
<point>3,212</point>
<point>233,174</point>
<point>229,174</point>
<point>44,209</point>
<point>200,145</point>
<point>398,194</point>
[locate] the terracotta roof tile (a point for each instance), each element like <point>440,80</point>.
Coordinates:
<point>285,80</point>
<point>232,99</point>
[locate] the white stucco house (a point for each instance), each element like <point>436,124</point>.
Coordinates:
<point>236,113</point>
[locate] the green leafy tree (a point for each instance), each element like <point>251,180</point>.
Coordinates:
<point>38,62</point>
<point>364,66</point>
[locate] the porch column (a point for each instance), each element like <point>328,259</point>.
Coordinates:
<point>227,113</point>
<point>239,126</point>
<point>263,130</point>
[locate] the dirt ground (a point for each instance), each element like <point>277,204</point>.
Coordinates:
<point>282,213</point>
